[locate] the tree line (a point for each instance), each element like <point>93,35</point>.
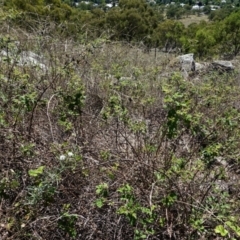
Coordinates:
<point>133,21</point>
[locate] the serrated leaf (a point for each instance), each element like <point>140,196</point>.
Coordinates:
<point>36,172</point>
<point>234,227</point>
<point>221,230</point>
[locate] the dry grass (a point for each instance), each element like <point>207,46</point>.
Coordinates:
<point>194,19</point>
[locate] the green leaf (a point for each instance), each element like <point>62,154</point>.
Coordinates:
<point>99,202</point>
<point>102,189</point>
<point>221,230</point>
<point>14,184</point>
<point>36,172</point>
<point>234,227</point>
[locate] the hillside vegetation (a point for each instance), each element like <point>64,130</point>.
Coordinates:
<point>132,21</point>
<point>101,138</point>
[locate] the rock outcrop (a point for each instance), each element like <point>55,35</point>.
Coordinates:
<point>222,65</point>
<point>187,62</point>
<point>25,58</point>
<point>189,68</point>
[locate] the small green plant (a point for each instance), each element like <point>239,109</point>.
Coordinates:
<point>28,149</point>
<point>221,230</point>
<point>69,161</point>
<point>102,189</point>
<point>138,216</point>
<point>115,108</point>
<point>105,155</point>
<point>36,172</point>
<point>43,188</point>
<point>102,192</point>
<point>169,199</point>
<point>6,185</point>
<point>229,226</point>
<point>44,192</point>
<point>67,221</point>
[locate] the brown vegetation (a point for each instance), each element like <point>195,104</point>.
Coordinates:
<point>101,140</point>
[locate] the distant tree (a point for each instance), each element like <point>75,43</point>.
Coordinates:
<point>56,9</point>
<point>168,34</point>
<point>55,2</point>
<point>204,43</point>
<point>187,39</point>
<point>85,6</point>
<point>132,20</point>
<point>97,22</point>
<point>231,33</point>
<point>25,5</point>
<point>171,12</point>
<point>134,4</point>
<point>207,9</point>
<point>187,10</point>
<point>221,13</point>
<point>175,11</point>
<point>69,2</point>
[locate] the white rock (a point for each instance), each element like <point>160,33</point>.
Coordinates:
<point>226,65</point>
<point>187,62</point>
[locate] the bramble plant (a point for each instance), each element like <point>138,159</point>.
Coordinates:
<point>101,136</point>
<point>138,216</point>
